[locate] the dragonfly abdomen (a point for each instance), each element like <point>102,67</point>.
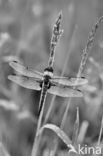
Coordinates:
<point>45,85</point>
<point>43,97</point>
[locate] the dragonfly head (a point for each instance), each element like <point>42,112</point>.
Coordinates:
<point>48,72</point>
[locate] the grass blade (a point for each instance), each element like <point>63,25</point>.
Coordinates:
<point>57,32</point>
<point>100,134</point>
<point>76,129</point>
<point>60,134</point>
<point>82,132</point>
<point>89,45</point>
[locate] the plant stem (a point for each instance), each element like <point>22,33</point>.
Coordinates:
<point>54,40</point>
<point>38,138</point>
<point>70,48</point>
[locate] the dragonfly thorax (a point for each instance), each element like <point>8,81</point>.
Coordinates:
<point>48,72</point>
<point>46,82</point>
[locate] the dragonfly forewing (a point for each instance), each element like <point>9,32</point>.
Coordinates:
<point>65,91</point>
<point>26,71</point>
<point>26,82</point>
<point>69,81</point>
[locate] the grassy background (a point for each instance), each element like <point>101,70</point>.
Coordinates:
<point>28,24</point>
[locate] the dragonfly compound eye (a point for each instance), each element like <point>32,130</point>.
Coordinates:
<point>49,69</point>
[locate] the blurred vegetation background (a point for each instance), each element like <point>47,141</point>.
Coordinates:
<point>25,31</point>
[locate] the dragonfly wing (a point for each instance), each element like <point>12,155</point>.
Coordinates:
<point>25,82</point>
<point>88,88</point>
<point>69,81</point>
<point>26,71</point>
<point>65,91</point>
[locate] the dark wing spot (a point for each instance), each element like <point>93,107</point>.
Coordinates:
<point>41,84</point>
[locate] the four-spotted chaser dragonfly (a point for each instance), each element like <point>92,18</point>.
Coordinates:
<point>31,79</point>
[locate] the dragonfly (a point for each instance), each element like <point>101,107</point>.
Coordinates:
<point>47,82</point>
<point>31,79</point>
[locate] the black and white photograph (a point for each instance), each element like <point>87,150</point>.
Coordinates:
<point>51,77</point>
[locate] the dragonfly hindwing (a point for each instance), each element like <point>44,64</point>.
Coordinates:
<point>26,82</point>
<point>65,91</point>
